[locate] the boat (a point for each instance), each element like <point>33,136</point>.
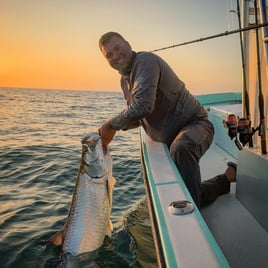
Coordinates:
<point>233,230</point>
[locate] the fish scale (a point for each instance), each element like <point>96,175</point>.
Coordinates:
<point>86,232</point>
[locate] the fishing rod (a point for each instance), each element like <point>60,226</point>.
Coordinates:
<point>251,27</point>
<point>245,88</point>
<point>262,131</point>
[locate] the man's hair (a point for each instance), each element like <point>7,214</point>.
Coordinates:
<point>108,36</point>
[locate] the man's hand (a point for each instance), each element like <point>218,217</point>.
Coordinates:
<point>107,133</point>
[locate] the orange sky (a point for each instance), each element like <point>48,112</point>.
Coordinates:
<point>54,44</point>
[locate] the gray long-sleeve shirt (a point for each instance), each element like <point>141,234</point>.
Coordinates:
<point>157,99</point>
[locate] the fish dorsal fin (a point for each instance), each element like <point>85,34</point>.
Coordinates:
<point>56,239</point>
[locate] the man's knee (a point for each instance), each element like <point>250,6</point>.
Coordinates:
<point>177,147</point>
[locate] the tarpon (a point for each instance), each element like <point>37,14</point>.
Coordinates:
<point>89,216</point>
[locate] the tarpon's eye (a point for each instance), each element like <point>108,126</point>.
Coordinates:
<point>92,146</point>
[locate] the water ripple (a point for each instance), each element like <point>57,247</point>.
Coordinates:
<point>40,153</point>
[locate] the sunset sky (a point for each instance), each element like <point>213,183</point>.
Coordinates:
<point>54,43</point>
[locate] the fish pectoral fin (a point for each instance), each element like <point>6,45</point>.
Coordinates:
<point>110,185</point>
<point>109,228</point>
<point>113,181</point>
<point>56,239</point>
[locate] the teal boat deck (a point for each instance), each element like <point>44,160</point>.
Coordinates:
<point>240,235</point>
<point>236,231</point>
<point>222,234</point>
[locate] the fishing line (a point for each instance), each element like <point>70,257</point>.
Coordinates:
<point>251,27</point>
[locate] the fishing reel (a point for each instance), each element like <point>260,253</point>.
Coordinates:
<point>240,127</point>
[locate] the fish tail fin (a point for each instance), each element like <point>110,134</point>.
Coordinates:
<point>56,239</point>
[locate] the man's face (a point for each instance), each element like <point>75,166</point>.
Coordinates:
<point>118,53</point>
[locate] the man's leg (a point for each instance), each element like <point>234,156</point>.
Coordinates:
<point>211,189</point>
<point>186,150</point>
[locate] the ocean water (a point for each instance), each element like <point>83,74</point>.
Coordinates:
<point>40,151</point>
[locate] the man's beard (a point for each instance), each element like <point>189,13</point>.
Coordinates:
<point>124,66</point>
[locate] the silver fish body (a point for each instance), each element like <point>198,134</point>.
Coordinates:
<point>89,217</point>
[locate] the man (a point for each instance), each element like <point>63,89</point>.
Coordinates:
<point>158,100</point>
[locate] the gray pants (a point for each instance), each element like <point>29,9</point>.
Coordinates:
<point>186,150</point>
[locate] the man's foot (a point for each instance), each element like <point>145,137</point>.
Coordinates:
<point>230,172</point>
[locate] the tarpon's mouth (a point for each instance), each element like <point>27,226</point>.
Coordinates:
<point>97,177</point>
<point>91,138</point>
